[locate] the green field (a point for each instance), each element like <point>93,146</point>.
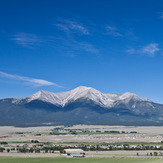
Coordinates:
<point>81,160</point>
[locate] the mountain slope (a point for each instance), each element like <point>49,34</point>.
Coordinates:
<point>82,105</point>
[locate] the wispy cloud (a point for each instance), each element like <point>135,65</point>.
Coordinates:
<point>129,34</point>
<point>150,50</point>
<point>71,48</point>
<point>27,39</point>
<point>70,26</point>
<point>28,80</point>
<point>113,31</point>
<point>88,47</point>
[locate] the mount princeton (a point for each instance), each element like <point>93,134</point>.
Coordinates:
<point>82,105</point>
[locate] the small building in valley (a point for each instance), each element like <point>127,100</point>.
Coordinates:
<point>74,152</point>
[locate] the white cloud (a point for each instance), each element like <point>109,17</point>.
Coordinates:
<point>112,30</point>
<point>30,81</point>
<point>27,39</point>
<point>70,26</point>
<point>150,50</point>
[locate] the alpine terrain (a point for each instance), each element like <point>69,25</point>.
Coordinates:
<point>82,105</point>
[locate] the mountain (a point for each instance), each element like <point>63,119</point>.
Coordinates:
<point>82,105</point>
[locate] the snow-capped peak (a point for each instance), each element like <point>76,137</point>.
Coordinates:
<point>44,96</point>
<point>128,96</point>
<point>88,93</point>
<point>82,88</point>
<point>64,98</point>
<point>38,95</point>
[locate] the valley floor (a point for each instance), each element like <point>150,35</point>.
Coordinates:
<point>82,160</point>
<point>88,154</point>
<point>144,134</point>
<point>15,137</point>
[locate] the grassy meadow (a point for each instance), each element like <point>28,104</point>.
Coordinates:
<point>82,160</point>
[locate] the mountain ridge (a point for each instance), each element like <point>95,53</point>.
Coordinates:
<point>82,105</point>
<point>61,98</point>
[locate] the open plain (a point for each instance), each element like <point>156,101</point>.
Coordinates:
<point>111,144</point>
<point>85,133</point>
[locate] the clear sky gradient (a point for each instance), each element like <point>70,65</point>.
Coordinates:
<point>114,46</point>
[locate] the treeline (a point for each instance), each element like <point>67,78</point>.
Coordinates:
<point>51,148</point>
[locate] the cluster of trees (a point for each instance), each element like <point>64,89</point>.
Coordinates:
<point>47,147</point>
<point>2,149</point>
<point>44,149</point>
<point>3,143</point>
<point>59,131</point>
<point>153,154</point>
<point>141,147</point>
<point>34,141</point>
<point>25,150</point>
<point>120,132</point>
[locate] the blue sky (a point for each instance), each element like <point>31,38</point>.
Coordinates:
<point>114,46</point>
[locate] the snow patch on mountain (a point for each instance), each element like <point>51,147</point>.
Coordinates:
<point>64,98</point>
